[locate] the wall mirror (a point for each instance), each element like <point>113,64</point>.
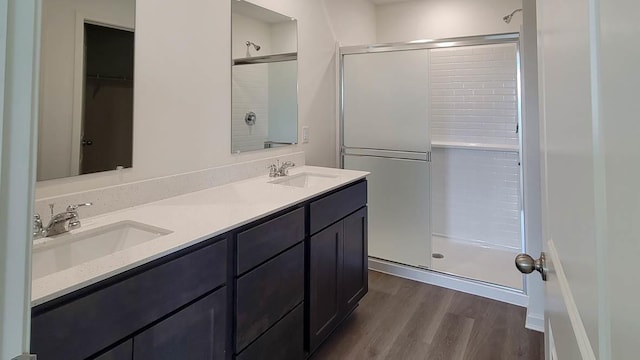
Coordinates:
<point>86,87</point>
<point>264,111</point>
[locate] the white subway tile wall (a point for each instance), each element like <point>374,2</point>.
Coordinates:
<point>474,94</point>
<point>476,196</point>
<point>475,192</point>
<point>250,93</point>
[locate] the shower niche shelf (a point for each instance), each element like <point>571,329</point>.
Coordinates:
<point>474,146</point>
<point>266,59</point>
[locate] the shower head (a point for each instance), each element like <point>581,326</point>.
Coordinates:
<point>255,46</point>
<point>508,18</point>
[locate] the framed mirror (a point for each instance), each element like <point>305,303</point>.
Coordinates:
<point>86,87</point>
<point>264,110</point>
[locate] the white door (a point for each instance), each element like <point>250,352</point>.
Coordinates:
<point>19,33</point>
<point>588,71</point>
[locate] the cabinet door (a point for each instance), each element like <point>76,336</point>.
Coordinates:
<point>198,332</point>
<point>284,341</point>
<point>123,351</point>
<point>325,272</point>
<point>355,264</point>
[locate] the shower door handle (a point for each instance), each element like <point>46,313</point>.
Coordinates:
<point>526,264</point>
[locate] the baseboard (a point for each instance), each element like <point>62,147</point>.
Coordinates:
<point>535,322</point>
<point>494,292</point>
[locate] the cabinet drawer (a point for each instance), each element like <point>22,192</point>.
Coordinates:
<point>284,341</point>
<point>195,332</point>
<point>334,207</point>
<point>262,242</point>
<point>267,293</point>
<point>82,327</point>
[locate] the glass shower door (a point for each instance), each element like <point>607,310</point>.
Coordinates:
<point>399,221</point>
<point>386,132</point>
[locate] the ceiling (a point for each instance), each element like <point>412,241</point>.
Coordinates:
<point>380,2</point>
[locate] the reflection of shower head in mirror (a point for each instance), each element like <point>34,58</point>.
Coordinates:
<point>508,18</point>
<point>255,46</point>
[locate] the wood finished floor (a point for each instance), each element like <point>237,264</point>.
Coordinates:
<point>404,319</point>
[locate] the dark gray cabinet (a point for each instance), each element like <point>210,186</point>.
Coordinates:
<point>123,351</point>
<point>337,274</point>
<point>325,277</point>
<point>85,323</point>
<point>266,324</point>
<point>266,294</point>
<point>284,341</point>
<point>197,332</point>
<point>335,206</point>
<point>355,259</point>
<point>272,289</point>
<point>264,241</point>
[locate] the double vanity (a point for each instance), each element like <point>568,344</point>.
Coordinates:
<point>264,268</point>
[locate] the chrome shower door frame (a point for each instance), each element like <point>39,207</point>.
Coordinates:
<point>505,38</point>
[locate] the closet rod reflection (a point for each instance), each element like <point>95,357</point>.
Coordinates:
<point>113,78</point>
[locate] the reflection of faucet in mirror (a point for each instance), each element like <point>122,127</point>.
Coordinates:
<point>255,46</point>
<point>59,223</point>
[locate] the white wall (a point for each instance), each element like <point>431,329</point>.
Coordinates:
<point>439,19</point>
<point>182,111</point>
<point>284,37</point>
<point>57,75</point>
<point>353,21</point>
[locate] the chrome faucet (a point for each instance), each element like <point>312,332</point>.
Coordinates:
<point>284,169</point>
<point>59,223</point>
<point>277,170</point>
<point>38,229</point>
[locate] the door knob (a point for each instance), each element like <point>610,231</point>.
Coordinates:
<point>526,264</point>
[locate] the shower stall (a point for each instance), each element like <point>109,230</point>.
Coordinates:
<point>437,123</point>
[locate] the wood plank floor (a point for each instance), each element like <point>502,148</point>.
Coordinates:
<point>404,319</point>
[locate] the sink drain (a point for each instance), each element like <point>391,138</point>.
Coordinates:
<point>437,256</point>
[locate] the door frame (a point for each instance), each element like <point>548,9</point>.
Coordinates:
<point>19,61</point>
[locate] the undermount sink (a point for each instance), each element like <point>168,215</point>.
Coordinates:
<point>72,249</point>
<point>304,180</point>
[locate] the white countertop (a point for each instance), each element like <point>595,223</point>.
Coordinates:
<point>192,218</point>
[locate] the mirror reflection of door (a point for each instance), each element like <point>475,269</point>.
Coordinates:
<point>107,122</point>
